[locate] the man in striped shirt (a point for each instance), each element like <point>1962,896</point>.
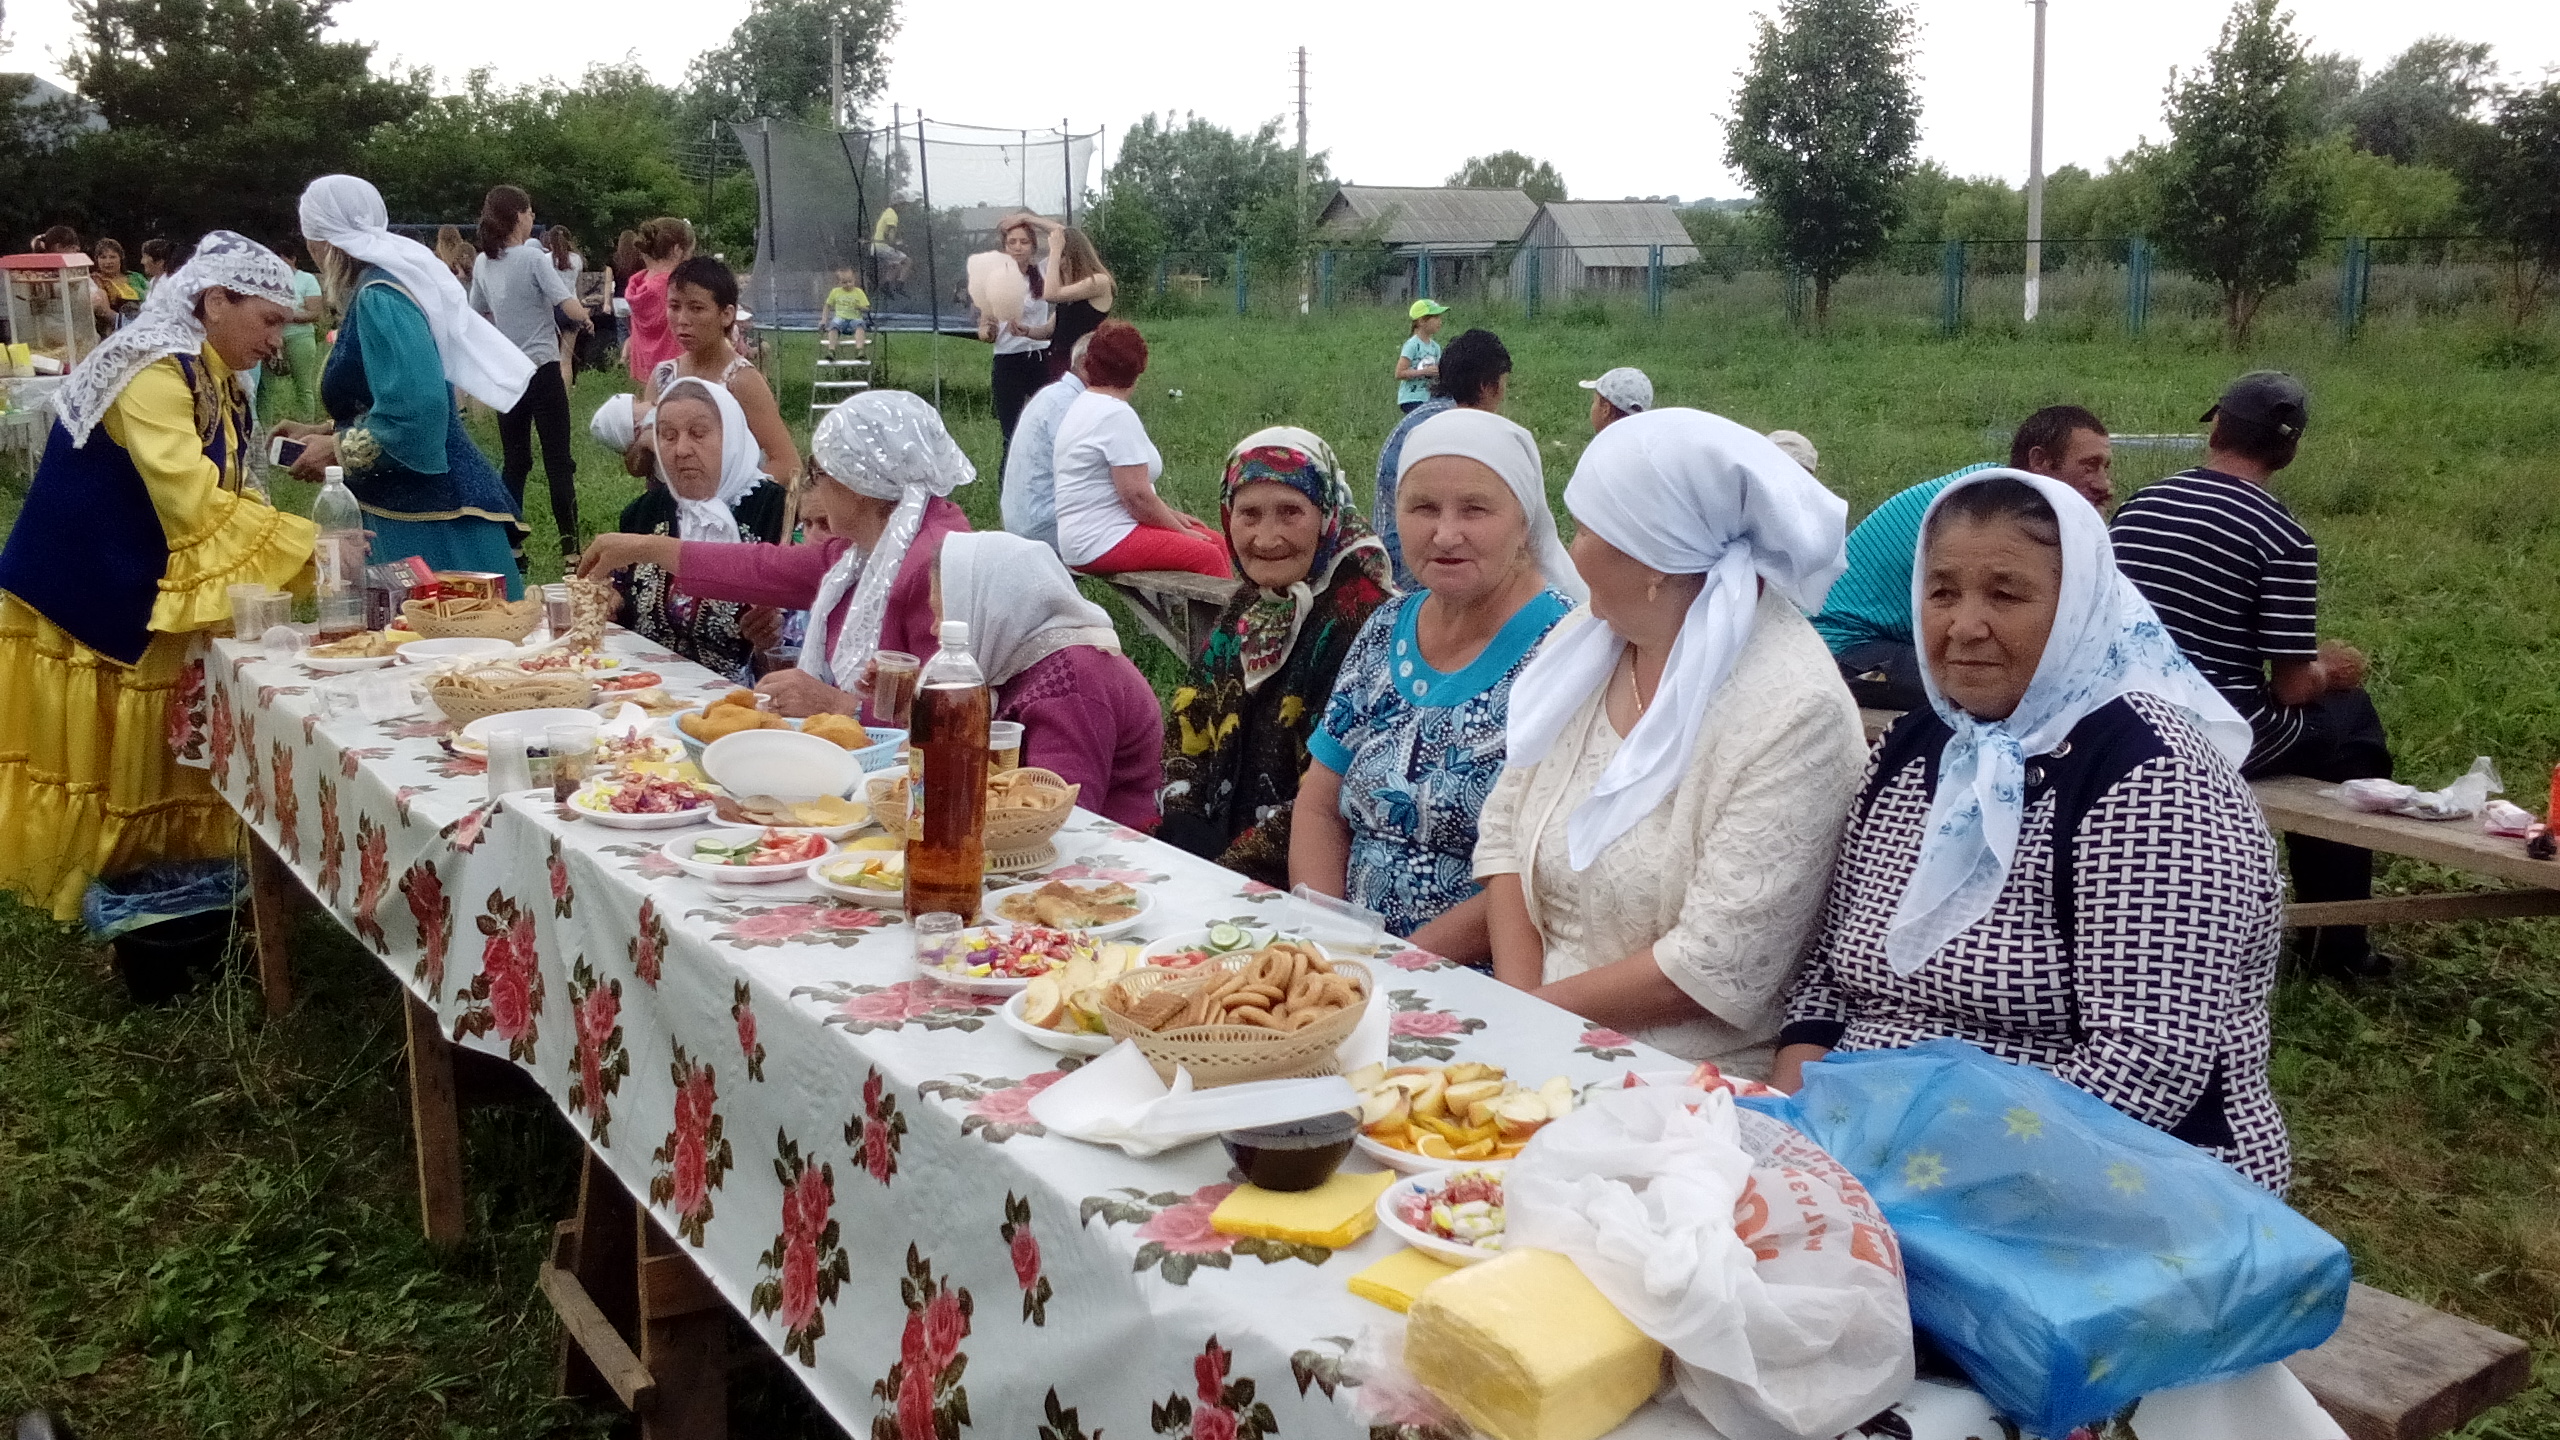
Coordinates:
<point>2236,580</point>
<point>1866,619</point>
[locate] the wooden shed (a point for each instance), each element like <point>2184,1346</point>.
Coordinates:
<point>1604,244</point>
<point>1467,236</point>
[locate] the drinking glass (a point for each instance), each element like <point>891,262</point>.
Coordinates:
<point>571,749</point>
<point>893,686</point>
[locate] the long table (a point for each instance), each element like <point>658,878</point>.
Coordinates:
<point>845,1153</point>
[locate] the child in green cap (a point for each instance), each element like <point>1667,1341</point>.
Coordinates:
<point>1418,363</point>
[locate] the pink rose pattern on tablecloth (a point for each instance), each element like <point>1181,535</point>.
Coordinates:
<point>862,1009</point>
<point>253,790</point>
<point>742,1009</point>
<point>433,910</point>
<point>748,927</point>
<point>1105,867</point>
<point>221,738</point>
<point>1408,1413</point>
<point>648,949</point>
<point>267,694</point>
<point>878,1131</point>
<point>1602,1043</point>
<point>1176,1238</point>
<point>696,1155</point>
<point>333,842</point>
<point>1257,893</point>
<point>1023,1249</point>
<point>288,799</point>
<point>807,1263</point>
<point>466,830</point>
<point>458,767</point>
<point>405,796</point>
<point>999,1109</point>
<point>413,729</point>
<point>506,996</point>
<point>595,1010</point>
<point>352,761</point>
<point>187,717</point>
<point>646,861</point>
<point>564,898</point>
<point>925,1397</point>
<point>1413,960</point>
<point>1415,1031</point>
<point>1217,1408</point>
<point>373,877</point>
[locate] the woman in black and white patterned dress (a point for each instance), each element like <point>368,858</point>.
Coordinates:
<point>2058,862</point>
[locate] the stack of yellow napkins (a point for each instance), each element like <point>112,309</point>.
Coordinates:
<point>1334,1214</point>
<point>1524,1348</point>
<point>1396,1281</point>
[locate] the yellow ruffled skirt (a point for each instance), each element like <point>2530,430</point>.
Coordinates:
<point>88,786</point>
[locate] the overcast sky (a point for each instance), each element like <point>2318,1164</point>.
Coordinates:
<point>1626,98</point>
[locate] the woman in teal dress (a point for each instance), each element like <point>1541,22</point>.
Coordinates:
<point>407,337</point>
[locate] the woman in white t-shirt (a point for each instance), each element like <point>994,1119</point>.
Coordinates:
<point>1110,519</point>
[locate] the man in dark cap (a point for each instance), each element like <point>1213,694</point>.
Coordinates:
<point>2236,580</point>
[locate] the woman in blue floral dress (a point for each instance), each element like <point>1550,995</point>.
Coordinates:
<point>1412,740</point>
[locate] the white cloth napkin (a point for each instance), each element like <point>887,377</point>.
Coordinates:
<point>1117,1100</point>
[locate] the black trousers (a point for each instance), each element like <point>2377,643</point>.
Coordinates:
<point>1883,675</point>
<point>2342,739</point>
<point>1014,380</point>
<point>544,410</point>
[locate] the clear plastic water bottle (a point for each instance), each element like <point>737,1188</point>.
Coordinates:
<point>339,557</point>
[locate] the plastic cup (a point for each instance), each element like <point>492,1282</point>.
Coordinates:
<point>509,770</point>
<point>570,750</point>
<point>384,695</point>
<point>558,615</point>
<point>779,657</point>
<point>893,686</point>
<point>1004,746</point>
<point>246,612</point>
<point>936,934</point>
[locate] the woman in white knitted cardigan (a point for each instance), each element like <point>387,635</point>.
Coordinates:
<point>1681,757</point>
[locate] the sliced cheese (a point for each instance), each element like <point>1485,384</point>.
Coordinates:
<point>1524,1348</point>
<point>1397,1280</point>
<point>1334,1214</point>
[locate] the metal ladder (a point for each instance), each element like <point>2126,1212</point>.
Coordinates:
<point>832,382</point>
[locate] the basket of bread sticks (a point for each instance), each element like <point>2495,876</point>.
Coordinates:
<point>1276,1013</point>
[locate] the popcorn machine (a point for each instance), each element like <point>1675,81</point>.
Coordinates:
<point>51,308</point>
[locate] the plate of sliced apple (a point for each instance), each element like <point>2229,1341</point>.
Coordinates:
<point>1418,1118</point>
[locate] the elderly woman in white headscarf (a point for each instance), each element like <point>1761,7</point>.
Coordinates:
<point>1682,751</point>
<point>2057,861</point>
<point>1412,740</point>
<point>1056,667</point>
<point>882,471</point>
<point>712,490</point>
<point>139,520</point>
<point>407,338</point>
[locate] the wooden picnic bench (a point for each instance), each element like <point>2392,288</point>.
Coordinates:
<point>1176,606</point>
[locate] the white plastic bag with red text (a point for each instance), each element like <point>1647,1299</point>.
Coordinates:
<point>1742,1247</point>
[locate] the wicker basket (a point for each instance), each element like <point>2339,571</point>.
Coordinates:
<point>512,620</point>
<point>1232,1054</point>
<point>567,692</point>
<point>1009,832</point>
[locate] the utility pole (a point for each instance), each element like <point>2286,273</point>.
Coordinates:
<point>835,74</point>
<point>1302,176</point>
<point>2035,175</point>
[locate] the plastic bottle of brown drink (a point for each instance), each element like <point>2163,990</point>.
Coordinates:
<point>947,849</point>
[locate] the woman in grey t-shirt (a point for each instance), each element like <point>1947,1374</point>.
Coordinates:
<point>525,294</point>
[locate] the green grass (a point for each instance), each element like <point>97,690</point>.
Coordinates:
<point>205,1220</point>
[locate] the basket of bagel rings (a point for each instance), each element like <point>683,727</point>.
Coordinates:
<point>1277,1013</point>
<point>1025,806</point>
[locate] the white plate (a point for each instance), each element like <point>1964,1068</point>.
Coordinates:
<point>614,819</point>
<point>428,652</point>
<point>1405,1162</point>
<point>978,984</point>
<point>876,899</point>
<point>1256,937</point>
<point>1423,1240</point>
<point>345,664</point>
<point>679,852</point>
<point>1117,928</point>
<point>474,739</point>
<point>1065,1042</point>
<point>784,764</point>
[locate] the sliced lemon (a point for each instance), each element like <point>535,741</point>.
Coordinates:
<point>1434,1147</point>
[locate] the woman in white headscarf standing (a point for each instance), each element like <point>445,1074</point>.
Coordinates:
<point>712,490</point>
<point>1681,751</point>
<point>881,473</point>
<point>137,524</point>
<point>1055,664</point>
<point>2058,860</point>
<point>407,338</point>
<point>1413,738</point>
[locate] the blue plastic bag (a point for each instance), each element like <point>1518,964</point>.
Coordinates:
<point>2068,1256</point>
<point>170,890</point>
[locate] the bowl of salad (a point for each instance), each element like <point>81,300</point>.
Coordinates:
<point>1192,949</point>
<point>1453,1215</point>
<point>1003,959</point>
<point>747,857</point>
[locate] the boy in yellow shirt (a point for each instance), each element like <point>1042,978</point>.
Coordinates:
<point>845,307</point>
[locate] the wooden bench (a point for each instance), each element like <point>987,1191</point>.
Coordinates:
<point>1176,606</point>
<point>2397,1370</point>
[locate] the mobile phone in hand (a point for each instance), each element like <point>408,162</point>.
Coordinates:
<point>284,451</point>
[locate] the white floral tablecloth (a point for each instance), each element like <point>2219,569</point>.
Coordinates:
<point>848,1153</point>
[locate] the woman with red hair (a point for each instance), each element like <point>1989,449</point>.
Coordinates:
<point>1110,519</point>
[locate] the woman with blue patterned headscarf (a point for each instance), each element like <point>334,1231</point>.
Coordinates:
<point>1236,737</point>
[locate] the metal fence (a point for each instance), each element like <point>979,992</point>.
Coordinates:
<point>2118,286</point>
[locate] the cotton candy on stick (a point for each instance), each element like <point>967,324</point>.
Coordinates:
<point>997,286</point>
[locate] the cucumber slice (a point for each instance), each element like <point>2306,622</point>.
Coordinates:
<point>1224,937</point>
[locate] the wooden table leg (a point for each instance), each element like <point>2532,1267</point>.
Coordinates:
<point>435,1124</point>
<point>684,1341</point>
<point>271,892</point>
<point>613,1275</point>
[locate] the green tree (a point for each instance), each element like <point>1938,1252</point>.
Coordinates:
<point>775,64</point>
<point>2511,186</point>
<point>2240,192</point>
<point>218,111</point>
<point>1510,170</point>
<point>1205,186</point>
<point>2423,107</point>
<point>1824,128</point>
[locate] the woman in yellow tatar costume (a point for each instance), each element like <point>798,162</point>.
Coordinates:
<point>137,524</point>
